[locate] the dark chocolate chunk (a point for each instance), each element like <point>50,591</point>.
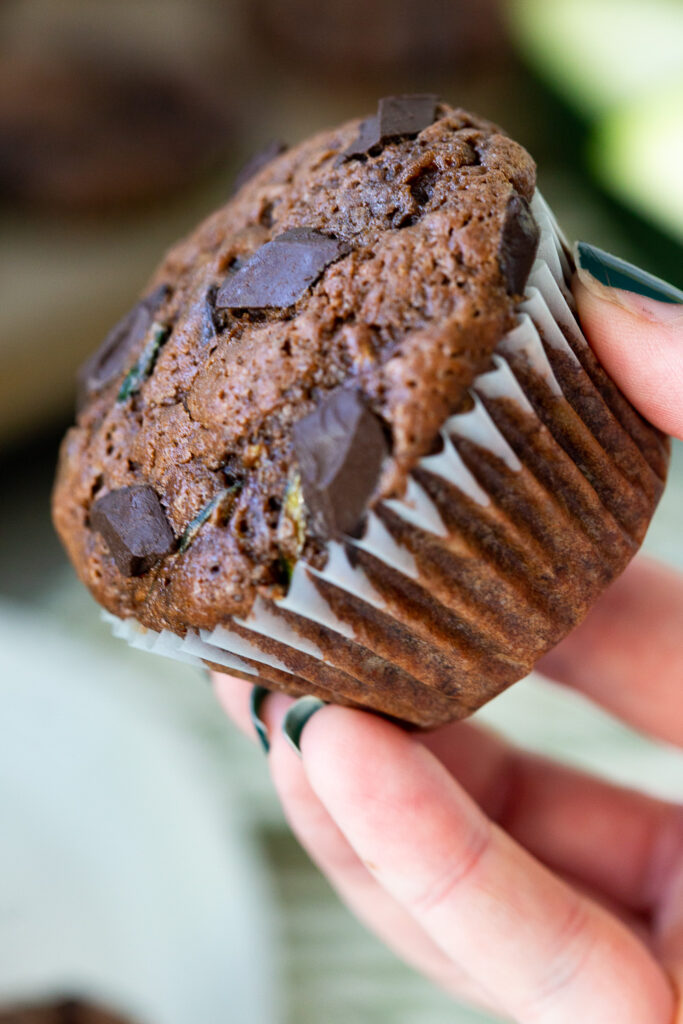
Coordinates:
<point>111,357</point>
<point>259,160</point>
<point>280,271</point>
<point>518,244</point>
<point>397,117</point>
<point>340,448</point>
<point>134,527</point>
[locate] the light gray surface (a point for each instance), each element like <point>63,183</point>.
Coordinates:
<point>127,875</point>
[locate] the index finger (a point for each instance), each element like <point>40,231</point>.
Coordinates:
<point>638,339</point>
<point>627,655</point>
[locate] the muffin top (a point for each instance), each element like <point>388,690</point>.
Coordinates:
<point>291,361</point>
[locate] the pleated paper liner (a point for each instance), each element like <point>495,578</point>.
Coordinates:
<point>539,496</point>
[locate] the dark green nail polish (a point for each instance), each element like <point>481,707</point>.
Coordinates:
<point>294,721</point>
<point>615,273</point>
<point>258,695</point>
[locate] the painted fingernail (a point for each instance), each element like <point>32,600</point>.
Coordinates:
<point>258,695</point>
<point>296,718</point>
<point>612,272</point>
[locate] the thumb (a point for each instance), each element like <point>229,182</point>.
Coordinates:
<point>634,323</point>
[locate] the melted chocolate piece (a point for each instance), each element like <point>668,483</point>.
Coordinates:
<point>280,271</point>
<point>259,160</point>
<point>340,448</point>
<point>518,244</point>
<point>397,117</point>
<point>134,527</point>
<point>111,357</point>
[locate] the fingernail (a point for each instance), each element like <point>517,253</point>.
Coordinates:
<point>258,695</point>
<point>595,265</point>
<point>296,718</point>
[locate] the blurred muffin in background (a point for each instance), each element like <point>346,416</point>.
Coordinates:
<point>343,37</point>
<point>67,1011</point>
<point>96,130</point>
<point>119,126</point>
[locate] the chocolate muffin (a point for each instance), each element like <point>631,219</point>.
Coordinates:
<point>351,441</point>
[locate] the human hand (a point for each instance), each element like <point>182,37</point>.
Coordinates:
<point>539,892</point>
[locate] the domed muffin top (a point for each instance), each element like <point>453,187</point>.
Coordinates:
<point>292,359</point>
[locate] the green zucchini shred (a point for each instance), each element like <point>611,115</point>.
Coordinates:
<point>218,500</point>
<point>142,369</point>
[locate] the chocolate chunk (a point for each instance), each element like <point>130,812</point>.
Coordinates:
<point>134,527</point>
<point>259,160</point>
<point>111,357</point>
<point>397,117</point>
<point>518,244</point>
<point>340,448</point>
<point>280,271</point>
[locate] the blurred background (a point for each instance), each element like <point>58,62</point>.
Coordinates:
<point>146,874</point>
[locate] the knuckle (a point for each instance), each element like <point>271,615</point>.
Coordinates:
<point>439,890</point>
<point>568,950</point>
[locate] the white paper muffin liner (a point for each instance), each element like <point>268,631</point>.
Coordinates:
<point>538,498</point>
